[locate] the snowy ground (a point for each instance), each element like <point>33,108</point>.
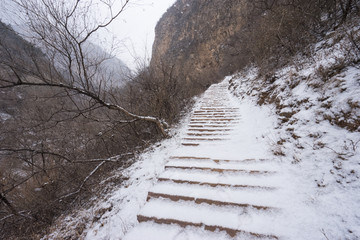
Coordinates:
<point>301,144</point>
<point>298,207</point>
<point>317,103</point>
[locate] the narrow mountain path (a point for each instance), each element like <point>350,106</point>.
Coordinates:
<point>219,183</point>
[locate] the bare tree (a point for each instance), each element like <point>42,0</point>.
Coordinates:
<point>68,111</point>
<point>282,28</point>
<point>64,29</point>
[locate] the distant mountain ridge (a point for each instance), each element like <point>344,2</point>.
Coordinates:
<point>112,67</point>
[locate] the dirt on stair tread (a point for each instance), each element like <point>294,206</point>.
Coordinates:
<point>177,198</point>
<point>209,126</point>
<point>186,157</point>
<point>206,134</point>
<point>213,119</point>
<point>215,112</point>
<point>178,181</point>
<point>218,160</point>
<point>212,228</point>
<point>209,130</point>
<point>219,108</point>
<point>204,139</point>
<point>222,170</point>
<point>190,144</point>
<point>213,122</point>
<point>217,115</point>
<point>215,160</point>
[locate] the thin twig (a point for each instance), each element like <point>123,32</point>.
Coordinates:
<point>83,182</point>
<point>323,232</point>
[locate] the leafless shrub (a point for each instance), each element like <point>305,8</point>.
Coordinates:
<point>282,28</point>
<point>344,119</point>
<point>68,126</point>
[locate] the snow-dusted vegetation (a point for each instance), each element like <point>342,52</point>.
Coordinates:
<point>304,117</point>
<point>181,150</point>
<point>316,100</point>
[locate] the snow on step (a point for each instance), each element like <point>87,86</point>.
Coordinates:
<point>224,118</point>
<point>209,130</point>
<point>222,164</point>
<point>239,234</point>
<point>215,177</point>
<point>219,108</point>
<point>208,126</point>
<point>217,114</point>
<point>207,198</point>
<point>229,217</point>
<point>233,123</point>
<point>206,134</point>
<point>190,144</point>
<point>220,170</point>
<point>242,196</point>
<point>215,184</point>
<point>214,110</point>
<point>247,161</point>
<point>216,118</point>
<point>203,139</point>
<point>173,231</point>
<point>152,195</point>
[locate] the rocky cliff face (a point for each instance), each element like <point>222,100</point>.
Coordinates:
<point>201,38</point>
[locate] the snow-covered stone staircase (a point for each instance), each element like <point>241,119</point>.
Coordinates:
<point>206,191</point>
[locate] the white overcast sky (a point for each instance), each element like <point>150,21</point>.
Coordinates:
<point>135,28</point>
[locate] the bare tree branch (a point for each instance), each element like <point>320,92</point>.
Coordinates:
<point>160,124</point>
<point>83,182</point>
<point>49,20</point>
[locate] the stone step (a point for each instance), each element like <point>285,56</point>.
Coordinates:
<point>218,160</point>
<point>221,170</point>
<point>238,197</point>
<point>177,198</point>
<point>217,119</point>
<point>216,115</point>
<point>216,111</point>
<point>232,123</point>
<point>212,228</point>
<point>179,181</point>
<point>219,108</point>
<point>269,181</point>
<point>206,134</point>
<point>209,130</point>
<point>256,166</point>
<point>252,194</point>
<point>190,144</point>
<point>204,139</point>
<point>209,126</point>
<point>187,157</point>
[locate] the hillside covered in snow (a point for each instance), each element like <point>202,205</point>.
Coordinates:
<point>245,125</point>
<point>304,119</point>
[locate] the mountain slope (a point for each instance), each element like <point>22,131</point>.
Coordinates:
<point>304,81</point>
<point>199,38</point>
<point>316,101</point>
<point>207,40</point>
<point>307,125</point>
